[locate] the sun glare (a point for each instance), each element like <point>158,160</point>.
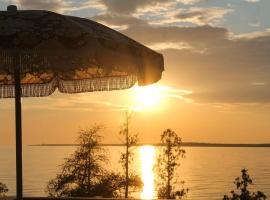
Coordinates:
<point>147,96</point>
<point>143,98</point>
<point>147,155</point>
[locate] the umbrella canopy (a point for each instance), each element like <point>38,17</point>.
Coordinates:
<point>69,53</point>
<point>41,51</point>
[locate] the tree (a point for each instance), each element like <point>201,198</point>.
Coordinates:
<point>3,190</point>
<point>131,180</point>
<point>242,183</point>
<point>168,186</point>
<point>83,173</point>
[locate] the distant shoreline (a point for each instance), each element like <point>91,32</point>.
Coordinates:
<point>185,144</point>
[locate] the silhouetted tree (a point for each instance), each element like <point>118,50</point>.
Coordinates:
<point>3,190</point>
<point>242,183</point>
<point>168,186</point>
<point>84,174</point>
<point>131,180</point>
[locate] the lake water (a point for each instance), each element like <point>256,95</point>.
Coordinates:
<point>208,172</point>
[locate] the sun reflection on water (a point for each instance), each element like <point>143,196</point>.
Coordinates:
<point>147,156</point>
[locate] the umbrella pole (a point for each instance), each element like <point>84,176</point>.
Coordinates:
<point>19,176</point>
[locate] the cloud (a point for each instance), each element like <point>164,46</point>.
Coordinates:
<point>118,21</point>
<point>253,35</point>
<point>54,5</point>
<point>112,6</point>
<point>78,102</point>
<point>201,36</point>
<point>202,16</point>
<point>258,83</point>
<point>168,37</point>
<point>60,6</point>
<point>252,1</point>
<point>170,45</point>
<point>127,7</point>
<point>218,67</point>
<point>190,2</point>
<point>254,24</point>
<point>159,12</point>
<point>244,94</point>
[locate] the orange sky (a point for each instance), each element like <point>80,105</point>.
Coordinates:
<point>44,123</point>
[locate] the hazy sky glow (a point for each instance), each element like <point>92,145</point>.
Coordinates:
<point>215,87</point>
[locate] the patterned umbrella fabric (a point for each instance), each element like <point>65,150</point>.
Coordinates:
<point>69,53</point>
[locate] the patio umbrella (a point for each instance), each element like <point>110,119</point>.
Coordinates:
<point>41,51</point>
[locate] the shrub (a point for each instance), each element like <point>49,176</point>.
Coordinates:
<point>3,190</point>
<point>242,183</point>
<point>132,181</point>
<point>168,160</point>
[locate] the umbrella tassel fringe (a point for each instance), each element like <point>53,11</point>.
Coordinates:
<point>72,86</point>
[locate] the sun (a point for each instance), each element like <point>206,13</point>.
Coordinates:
<point>147,97</point>
<point>155,97</point>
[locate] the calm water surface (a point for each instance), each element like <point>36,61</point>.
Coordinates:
<point>208,172</point>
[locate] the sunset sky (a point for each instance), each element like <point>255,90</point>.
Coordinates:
<point>215,87</point>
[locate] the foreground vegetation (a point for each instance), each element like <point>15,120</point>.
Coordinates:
<point>3,190</point>
<point>86,173</point>
<point>130,140</point>
<point>168,186</point>
<point>242,184</point>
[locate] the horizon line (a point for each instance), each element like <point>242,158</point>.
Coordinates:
<point>185,144</point>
